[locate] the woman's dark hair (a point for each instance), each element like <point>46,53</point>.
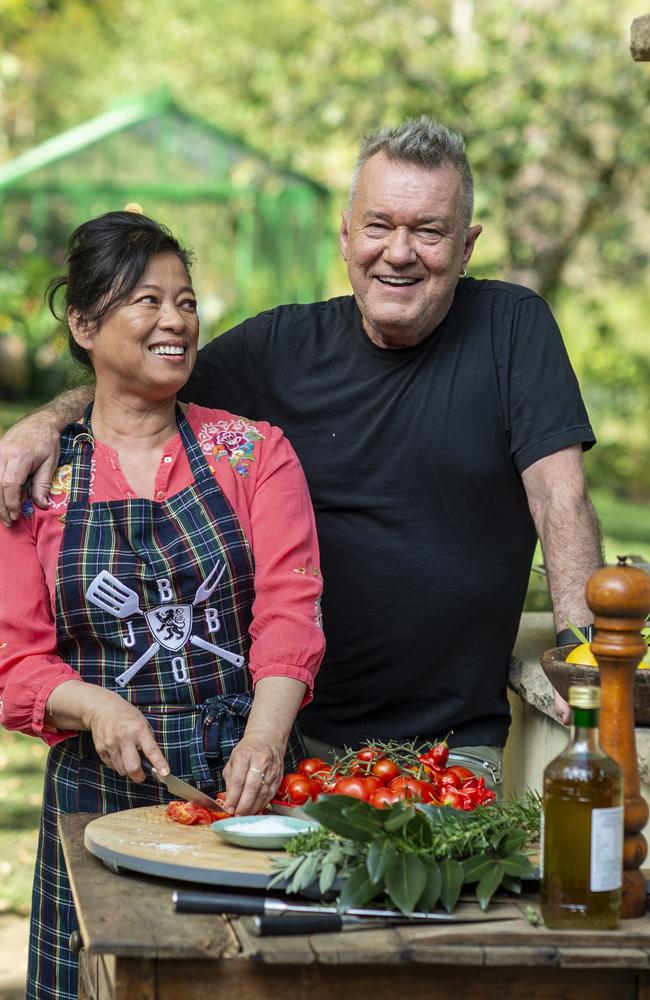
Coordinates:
<point>105,260</point>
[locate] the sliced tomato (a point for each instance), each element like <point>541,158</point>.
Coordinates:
<point>190,814</point>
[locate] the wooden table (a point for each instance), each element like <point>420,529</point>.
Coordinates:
<point>134,947</point>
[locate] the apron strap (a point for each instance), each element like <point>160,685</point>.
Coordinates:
<point>219,728</point>
<point>197,460</point>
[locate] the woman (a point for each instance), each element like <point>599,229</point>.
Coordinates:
<point>166,604</point>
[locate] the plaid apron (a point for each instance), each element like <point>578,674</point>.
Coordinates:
<point>153,600</point>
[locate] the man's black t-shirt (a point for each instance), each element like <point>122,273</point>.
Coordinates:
<point>413,458</point>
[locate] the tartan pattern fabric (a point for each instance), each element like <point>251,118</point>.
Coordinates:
<point>198,712</point>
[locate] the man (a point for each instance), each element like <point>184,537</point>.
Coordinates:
<point>440,426</point>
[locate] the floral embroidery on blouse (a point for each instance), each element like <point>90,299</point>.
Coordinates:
<point>230,439</point>
<point>27,508</point>
<point>60,488</point>
<point>62,484</point>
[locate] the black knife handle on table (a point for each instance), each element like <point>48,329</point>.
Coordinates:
<point>276,926</point>
<point>191,901</point>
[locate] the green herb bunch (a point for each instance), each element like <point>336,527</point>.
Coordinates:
<point>413,856</point>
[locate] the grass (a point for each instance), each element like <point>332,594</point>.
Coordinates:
<point>22,761</point>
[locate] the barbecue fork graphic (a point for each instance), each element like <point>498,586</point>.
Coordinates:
<point>109,594</point>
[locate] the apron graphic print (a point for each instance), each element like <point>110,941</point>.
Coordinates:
<point>169,624</point>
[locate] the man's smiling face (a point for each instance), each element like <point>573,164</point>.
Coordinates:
<point>406,244</point>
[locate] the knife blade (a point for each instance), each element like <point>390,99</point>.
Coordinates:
<point>181,789</point>
<point>193,901</point>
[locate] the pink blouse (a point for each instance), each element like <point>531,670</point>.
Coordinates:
<point>262,479</point>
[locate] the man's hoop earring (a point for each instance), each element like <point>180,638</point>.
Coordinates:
<point>463,273</point>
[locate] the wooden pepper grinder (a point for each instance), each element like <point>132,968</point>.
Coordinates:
<point>619,597</point>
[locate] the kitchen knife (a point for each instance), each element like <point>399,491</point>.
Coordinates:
<point>181,789</point>
<point>192,901</point>
<point>329,923</point>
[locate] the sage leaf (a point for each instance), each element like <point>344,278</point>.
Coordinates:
<point>287,867</point>
<point>475,868</point>
<point>330,810</point>
<point>451,873</point>
<point>398,818</point>
<point>327,877</point>
<point>358,888</point>
<point>518,864</point>
<point>381,855</point>
<point>306,874</point>
<point>510,842</point>
<point>511,883</point>
<point>489,884</point>
<point>363,815</point>
<point>431,895</point>
<point>405,881</point>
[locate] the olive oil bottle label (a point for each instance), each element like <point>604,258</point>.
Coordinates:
<point>606,849</point>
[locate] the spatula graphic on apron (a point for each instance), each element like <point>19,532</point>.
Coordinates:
<point>109,594</point>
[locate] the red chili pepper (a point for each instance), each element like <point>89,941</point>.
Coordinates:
<point>436,756</point>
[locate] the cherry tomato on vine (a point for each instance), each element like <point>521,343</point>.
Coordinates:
<point>383,798</point>
<point>463,773</point>
<point>368,753</point>
<point>406,787</point>
<point>353,786</point>
<point>311,766</point>
<point>325,778</point>
<point>296,789</point>
<point>385,770</point>
<point>430,792</point>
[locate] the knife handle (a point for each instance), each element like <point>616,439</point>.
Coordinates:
<point>328,923</point>
<point>146,766</point>
<point>191,901</point>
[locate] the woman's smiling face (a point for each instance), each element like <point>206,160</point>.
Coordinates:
<point>146,345</point>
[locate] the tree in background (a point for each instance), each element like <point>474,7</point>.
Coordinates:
<point>555,112</point>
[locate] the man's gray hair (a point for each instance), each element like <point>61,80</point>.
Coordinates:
<point>424,142</point>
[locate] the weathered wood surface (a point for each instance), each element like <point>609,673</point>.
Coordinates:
<point>146,840</point>
<point>131,915</point>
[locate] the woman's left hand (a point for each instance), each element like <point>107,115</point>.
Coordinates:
<point>254,770</point>
<point>253,774</point>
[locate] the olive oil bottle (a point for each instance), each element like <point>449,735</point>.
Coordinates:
<point>582,831</point>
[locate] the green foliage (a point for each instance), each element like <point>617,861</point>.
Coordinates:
<point>411,856</point>
<point>22,761</point>
<point>44,366</point>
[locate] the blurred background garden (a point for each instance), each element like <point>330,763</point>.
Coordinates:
<point>237,125</point>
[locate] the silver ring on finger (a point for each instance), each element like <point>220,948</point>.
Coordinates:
<point>261,773</point>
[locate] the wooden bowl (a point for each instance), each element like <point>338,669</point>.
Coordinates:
<point>563,675</point>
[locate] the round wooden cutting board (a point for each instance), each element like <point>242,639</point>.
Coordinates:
<point>146,840</point>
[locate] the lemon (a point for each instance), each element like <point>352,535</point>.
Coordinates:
<point>582,654</point>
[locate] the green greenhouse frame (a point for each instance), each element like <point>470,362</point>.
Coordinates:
<point>259,231</point>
